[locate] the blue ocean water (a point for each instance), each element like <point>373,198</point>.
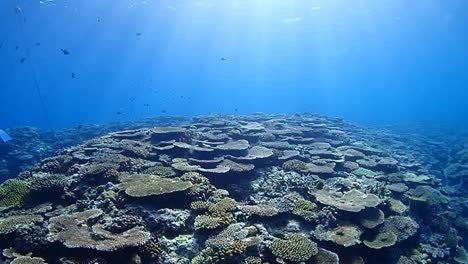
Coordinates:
<point>375,62</point>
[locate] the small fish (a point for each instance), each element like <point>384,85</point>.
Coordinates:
<point>38,44</point>
<point>138,34</point>
<point>65,52</point>
<point>223,59</point>
<point>236,110</point>
<point>16,47</point>
<point>147,105</point>
<point>99,20</point>
<point>132,99</point>
<point>24,20</point>
<point>18,10</point>
<point>73,75</point>
<point>80,127</point>
<point>118,113</point>
<point>163,111</point>
<point>181,97</point>
<point>22,60</point>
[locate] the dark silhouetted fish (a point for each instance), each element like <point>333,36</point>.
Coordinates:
<point>146,105</point>
<point>223,59</point>
<point>18,10</point>
<point>73,75</point>
<point>163,111</point>
<point>118,113</point>
<point>99,20</point>
<point>138,34</point>
<point>16,47</point>
<point>22,60</point>
<point>80,126</point>
<point>38,44</point>
<point>65,52</point>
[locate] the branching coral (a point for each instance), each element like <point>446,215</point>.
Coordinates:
<point>14,193</point>
<point>295,247</point>
<point>305,209</point>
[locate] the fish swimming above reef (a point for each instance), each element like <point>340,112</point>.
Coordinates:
<point>18,10</point>
<point>4,137</point>
<point>65,52</point>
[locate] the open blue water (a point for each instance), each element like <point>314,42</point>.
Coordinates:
<point>368,61</point>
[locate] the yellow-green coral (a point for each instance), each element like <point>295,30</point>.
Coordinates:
<point>212,222</point>
<point>295,247</point>
<point>305,209</point>
<point>13,193</point>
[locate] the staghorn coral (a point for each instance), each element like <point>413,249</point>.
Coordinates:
<point>141,185</point>
<point>73,232</point>
<point>295,247</point>
<point>14,193</point>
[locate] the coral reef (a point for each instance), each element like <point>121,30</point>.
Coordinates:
<point>234,189</point>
